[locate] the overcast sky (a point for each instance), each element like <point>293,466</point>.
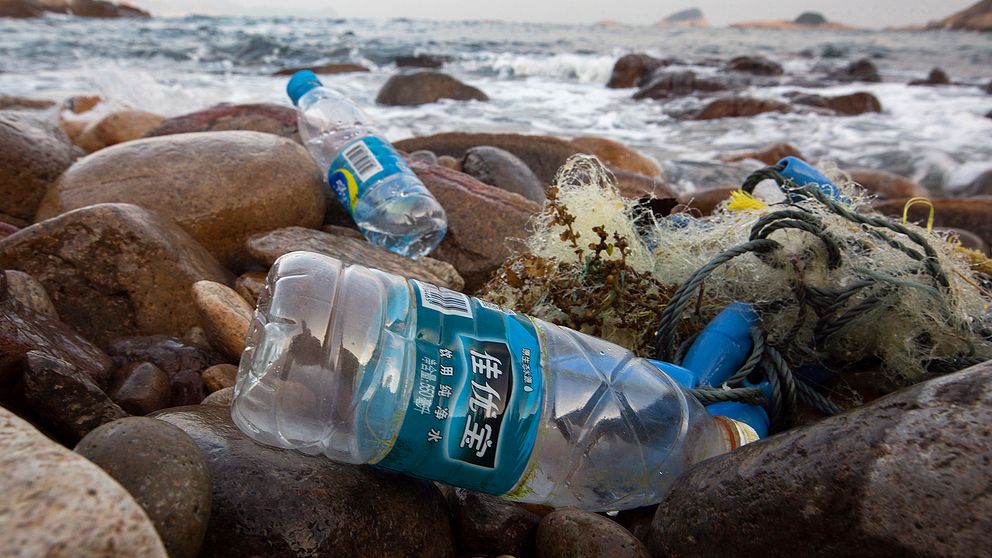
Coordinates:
<point>865,13</point>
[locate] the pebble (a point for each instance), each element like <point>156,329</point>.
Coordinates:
<point>573,533</point>
<point>249,285</point>
<point>489,525</point>
<point>182,362</point>
<point>141,388</point>
<point>500,168</point>
<point>29,292</point>
<point>163,470</point>
<point>219,376</point>
<point>224,315</point>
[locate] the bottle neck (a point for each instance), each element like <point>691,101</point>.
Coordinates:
<point>735,433</point>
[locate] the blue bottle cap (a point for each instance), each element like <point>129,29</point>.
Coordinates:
<point>301,83</point>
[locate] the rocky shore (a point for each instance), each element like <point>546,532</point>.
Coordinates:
<point>133,248</point>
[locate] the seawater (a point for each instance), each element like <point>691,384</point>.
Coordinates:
<point>541,78</point>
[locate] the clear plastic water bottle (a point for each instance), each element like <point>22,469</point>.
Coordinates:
<point>391,206</point>
<point>368,367</point>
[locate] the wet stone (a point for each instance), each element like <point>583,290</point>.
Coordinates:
<point>141,388</point>
<point>490,525</point>
<point>573,533</point>
<point>219,376</point>
<point>182,362</point>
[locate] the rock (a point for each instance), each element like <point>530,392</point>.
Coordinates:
<point>222,189</point>
<point>692,17</point>
<point>811,18</point>
<point>805,22</point>
<point>219,376</point>
<point>12,102</point>
<point>222,397</point>
<point>476,247</point>
<point>980,186</point>
<point>573,533</point>
<point>22,329</point>
<point>618,155</point>
<point>266,248</point>
<point>738,106</point>
<point>634,186</point>
<point>249,285</point>
<point>33,153</point>
<point>338,510</point>
<point>543,154</point>
<point>769,155</point>
<point>450,162</point>
<point>936,77</point>
<point>29,292</point>
<point>988,87</point>
<point>224,315</point>
<point>967,239</point>
<point>102,9</point>
<point>851,104</point>
<point>496,167</point>
<point>678,84</point>
<point>634,70</point>
<point>886,184</point>
<point>905,475</point>
<point>425,156</point>
<point>263,117</point>
<point>141,388</point>
<point>22,8</point>
<point>757,65</point>
<point>183,363</point>
<point>420,61</point>
<point>977,17</point>
<point>6,229</point>
<point>57,504</point>
<point>970,214</point>
<point>425,87</point>
<point>325,69</point>
<point>78,104</point>
<point>859,70</point>
<point>163,470</point>
<point>114,270</point>
<point>705,201</point>
<point>116,127</point>
<point>490,525</point>
<point>65,398</point>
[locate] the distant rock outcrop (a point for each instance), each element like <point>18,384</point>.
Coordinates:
<point>81,8</point>
<point>975,18</point>
<point>692,17</point>
<point>806,20</point>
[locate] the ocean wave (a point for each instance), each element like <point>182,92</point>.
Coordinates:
<point>584,68</point>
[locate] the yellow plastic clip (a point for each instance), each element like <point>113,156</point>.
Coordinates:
<point>918,200</point>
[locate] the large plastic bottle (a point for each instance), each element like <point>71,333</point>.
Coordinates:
<point>391,206</point>
<point>368,367</point>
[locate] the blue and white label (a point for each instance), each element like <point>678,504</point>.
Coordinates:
<point>360,164</point>
<point>474,412</point>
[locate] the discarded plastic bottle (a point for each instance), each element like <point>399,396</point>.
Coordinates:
<point>368,367</point>
<point>391,206</point>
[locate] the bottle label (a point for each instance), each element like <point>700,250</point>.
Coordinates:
<point>359,165</point>
<point>476,402</point>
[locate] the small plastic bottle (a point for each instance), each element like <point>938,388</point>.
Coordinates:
<point>368,367</point>
<point>391,206</point>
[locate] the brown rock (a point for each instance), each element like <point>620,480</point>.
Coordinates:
<point>79,104</point>
<point>65,398</point>
<point>23,329</point>
<point>250,285</point>
<point>967,239</point>
<point>263,117</point>
<point>325,69</point>
<point>267,248</point>
<point>116,127</point>
<point>114,269</point>
<point>29,292</point>
<point>935,77</point>
<point>12,102</point>
<point>633,185</point>
<point>980,186</point>
<point>450,162</point>
<point>618,156</point>
<point>221,187</point>
<point>6,229</point>
<point>420,61</point>
<point>543,154</point>
<point>57,504</point>
<point>500,168</point>
<point>489,525</point>
<point>342,231</point>
<point>970,214</point>
<point>141,388</point>
<point>425,87</point>
<point>182,362</point>
<point>854,104</point>
<point>733,107</point>
<point>222,397</point>
<point>224,315</point>
<point>33,153</point>
<point>21,8</point>
<point>768,155</point>
<point>757,65</point>
<point>163,469</point>
<point>678,84</point>
<point>634,70</point>
<point>905,475</point>
<point>705,201</point>
<point>859,70</point>
<point>886,184</point>
<point>219,376</point>
<point>573,533</point>
<point>337,509</point>
<point>977,17</point>
<point>101,9</point>
<point>476,247</point>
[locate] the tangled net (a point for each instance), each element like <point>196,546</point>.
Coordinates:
<point>835,286</point>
